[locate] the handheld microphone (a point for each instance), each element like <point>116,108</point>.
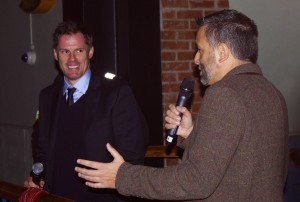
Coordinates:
<point>186,90</point>
<point>37,170</point>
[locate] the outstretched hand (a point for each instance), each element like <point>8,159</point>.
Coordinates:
<point>101,175</point>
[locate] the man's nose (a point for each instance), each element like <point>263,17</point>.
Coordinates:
<point>197,58</point>
<point>72,56</point>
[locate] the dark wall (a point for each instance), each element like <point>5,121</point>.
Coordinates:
<point>127,43</point>
<point>21,83</point>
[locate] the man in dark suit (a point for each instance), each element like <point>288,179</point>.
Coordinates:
<point>78,114</point>
<point>237,148</point>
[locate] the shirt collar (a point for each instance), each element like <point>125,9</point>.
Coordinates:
<point>81,85</point>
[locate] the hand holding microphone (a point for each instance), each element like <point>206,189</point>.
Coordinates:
<point>37,170</point>
<point>185,93</point>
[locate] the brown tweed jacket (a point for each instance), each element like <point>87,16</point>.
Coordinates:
<point>236,152</point>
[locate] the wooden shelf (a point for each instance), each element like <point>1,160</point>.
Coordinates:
<point>162,152</point>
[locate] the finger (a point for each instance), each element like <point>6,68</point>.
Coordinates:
<point>26,184</point>
<point>172,115</point>
<point>94,185</point>
<point>117,156</point>
<point>87,163</point>
<point>171,105</point>
<point>32,184</point>
<point>173,109</point>
<point>181,109</point>
<point>89,177</point>
<point>42,183</point>
<point>29,183</point>
<point>169,125</point>
<point>186,113</point>
<point>173,120</point>
<point>84,172</point>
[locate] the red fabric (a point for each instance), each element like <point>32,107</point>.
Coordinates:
<point>31,194</point>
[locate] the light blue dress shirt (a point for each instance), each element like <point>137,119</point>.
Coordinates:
<point>81,86</point>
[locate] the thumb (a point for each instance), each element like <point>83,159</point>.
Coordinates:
<point>116,155</point>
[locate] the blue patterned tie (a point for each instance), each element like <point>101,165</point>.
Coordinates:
<point>70,99</point>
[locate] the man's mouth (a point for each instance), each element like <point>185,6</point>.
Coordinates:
<point>73,67</point>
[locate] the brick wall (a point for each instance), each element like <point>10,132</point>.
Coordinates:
<point>178,31</point>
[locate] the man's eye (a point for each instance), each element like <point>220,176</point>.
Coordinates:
<point>79,50</point>
<point>64,51</point>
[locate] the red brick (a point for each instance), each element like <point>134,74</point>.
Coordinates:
<point>223,4</point>
<point>168,35</point>
<point>169,77</point>
<point>171,87</point>
<point>168,56</point>
<point>174,45</point>
<point>201,4</point>
<point>169,14</point>
<point>208,12</point>
<point>183,75</point>
<point>193,25</point>
<point>195,109</point>
<point>188,14</point>
<point>175,24</point>
<point>174,3</point>
<point>187,34</point>
<point>186,55</point>
<point>170,99</point>
<point>175,66</point>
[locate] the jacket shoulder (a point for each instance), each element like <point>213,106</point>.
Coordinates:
<point>54,87</point>
<point>112,84</point>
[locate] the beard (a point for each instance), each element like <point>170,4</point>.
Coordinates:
<point>208,69</point>
<point>204,77</point>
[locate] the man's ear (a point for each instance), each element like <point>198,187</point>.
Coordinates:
<point>55,54</point>
<point>91,52</point>
<point>223,52</point>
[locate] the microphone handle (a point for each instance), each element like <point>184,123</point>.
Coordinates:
<point>36,179</point>
<point>182,100</point>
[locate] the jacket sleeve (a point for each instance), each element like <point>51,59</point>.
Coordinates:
<point>130,129</point>
<point>38,141</point>
<point>211,146</point>
<point>41,128</point>
<point>39,135</point>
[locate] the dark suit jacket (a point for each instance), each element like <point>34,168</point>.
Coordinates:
<point>111,114</point>
<point>236,152</point>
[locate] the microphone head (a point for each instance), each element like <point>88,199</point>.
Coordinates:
<point>37,168</point>
<point>187,84</point>
<point>186,87</point>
